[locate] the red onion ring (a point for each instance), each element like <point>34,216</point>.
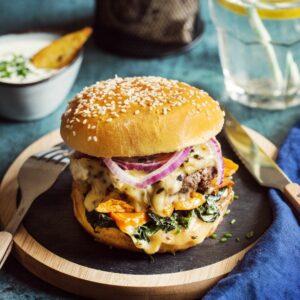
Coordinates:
<point>172,164</point>
<point>148,167</point>
<point>217,152</point>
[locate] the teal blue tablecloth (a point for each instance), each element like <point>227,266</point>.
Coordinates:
<point>199,67</point>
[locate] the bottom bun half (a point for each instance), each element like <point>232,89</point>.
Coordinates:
<point>113,237</point>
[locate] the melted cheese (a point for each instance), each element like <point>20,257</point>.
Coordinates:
<point>129,222</point>
<point>185,238</point>
<point>182,239</point>
<point>158,196</point>
<point>139,198</point>
<point>91,172</point>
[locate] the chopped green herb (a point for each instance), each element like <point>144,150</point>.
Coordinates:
<point>232,221</point>
<point>236,197</point>
<point>17,65</point>
<point>227,212</point>
<point>223,240</point>
<point>214,236</point>
<point>227,235</point>
<point>249,235</point>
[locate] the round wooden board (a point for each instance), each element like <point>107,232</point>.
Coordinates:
<point>96,282</point>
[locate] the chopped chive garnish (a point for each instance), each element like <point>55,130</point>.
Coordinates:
<point>214,236</point>
<point>223,240</point>
<point>232,221</point>
<point>249,235</point>
<point>227,235</point>
<point>227,212</point>
<point>237,239</point>
<point>16,65</point>
<point>235,197</point>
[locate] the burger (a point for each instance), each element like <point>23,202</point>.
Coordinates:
<point>148,172</point>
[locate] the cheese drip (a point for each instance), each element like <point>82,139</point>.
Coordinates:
<point>185,237</point>
<point>159,196</point>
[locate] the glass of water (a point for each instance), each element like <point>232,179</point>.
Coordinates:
<point>259,47</point>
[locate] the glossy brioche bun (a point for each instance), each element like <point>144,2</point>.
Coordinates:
<point>116,238</point>
<point>138,116</point>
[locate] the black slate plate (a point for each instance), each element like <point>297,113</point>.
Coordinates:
<point>51,222</point>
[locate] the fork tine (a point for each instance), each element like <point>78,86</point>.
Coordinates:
<point>52,155</point>
<point>65,160</point>
<point>59,157</point>
<point>59,148</point>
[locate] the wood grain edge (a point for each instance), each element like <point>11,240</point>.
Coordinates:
<point>87,281</point>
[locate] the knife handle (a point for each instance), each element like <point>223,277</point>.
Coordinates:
<point>292,192</point>
<point>6,242</point>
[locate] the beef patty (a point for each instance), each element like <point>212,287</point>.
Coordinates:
<point>199,181</point>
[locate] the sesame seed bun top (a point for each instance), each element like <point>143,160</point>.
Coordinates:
<point>138,116</point>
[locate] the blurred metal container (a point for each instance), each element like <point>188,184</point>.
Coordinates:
<point>147,28</point>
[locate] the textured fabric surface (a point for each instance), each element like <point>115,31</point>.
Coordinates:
<point>271,270</point>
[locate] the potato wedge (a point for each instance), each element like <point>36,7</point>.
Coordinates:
<point>62,51</point>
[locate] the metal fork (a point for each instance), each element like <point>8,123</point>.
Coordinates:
<point>36,176</point>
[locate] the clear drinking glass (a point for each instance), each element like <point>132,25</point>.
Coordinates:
<point>259,47</point>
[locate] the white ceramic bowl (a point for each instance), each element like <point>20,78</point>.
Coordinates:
<point>31,101</point>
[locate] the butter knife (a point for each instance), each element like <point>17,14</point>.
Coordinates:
<point>259,164</point>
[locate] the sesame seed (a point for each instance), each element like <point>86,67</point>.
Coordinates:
<point>138,94</point>
<point>68,111</point>
<point>74,133</point>
<point>89,138</point>
<point>95,138</point>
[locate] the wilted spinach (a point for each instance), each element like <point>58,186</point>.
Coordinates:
<point>144,232</point>
<point>208,212</point>
<point>215,197</point>
<point>99,219</point>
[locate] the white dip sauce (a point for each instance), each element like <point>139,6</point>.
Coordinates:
<point>15,54</point>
